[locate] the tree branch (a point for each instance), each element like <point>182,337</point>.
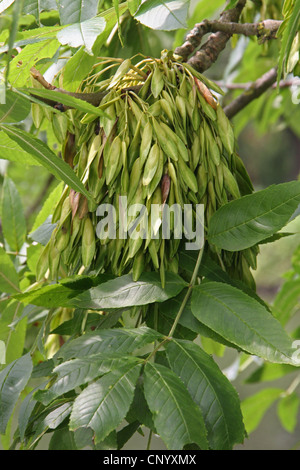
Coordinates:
<point>264,30</point>
<point>216,43</point>
<point>244,86</point>
<point>254,91</point>
<point>204,58</point>
<point>92,98</point>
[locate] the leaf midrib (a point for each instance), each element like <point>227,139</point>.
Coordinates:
<point>9,282</point>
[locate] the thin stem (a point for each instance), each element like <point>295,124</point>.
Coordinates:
<point>157,348</point>
<point>92,98</point>
<point>149,439</point>
<point>204,58</point>
<point>89,80</point>
<point>44,326</point>
<point>253,92</point>
<point>15,253</point>
<point>189,291</point>
<point>143,75</point>
<point>84,320</point>
<point>182,306</point>
<point>246,364</point>
<point>244,86</point>
<point>155,317</point>
<point>11,283</point>
<point>221,262</point>
<point>139,318</point>
<point>293,386</point>
<point>36,74</point>
<point>14,317</point>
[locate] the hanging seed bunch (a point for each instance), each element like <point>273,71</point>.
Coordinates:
<point>165,140</point>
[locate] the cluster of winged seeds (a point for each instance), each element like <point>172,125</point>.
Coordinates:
<point>165,140</point>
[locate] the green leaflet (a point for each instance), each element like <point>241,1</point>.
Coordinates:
<point>13,219</point>
<point>116,340</point>
<point>60,294</point>
<point>10,150</point>
<point>212,392</point>
<point>79,371</point>
<point>177,419</point>
<point>187,319</point>
<point>13,380</point>
<point>131,293</point>
<point>9,279</point>
<point>287,411</point>
<point>166,16</point>
<point>65,99</point>
<point>246,221</point>
<point>2,352</point>
<point>104,404</point>
<point>76,10</point>
<point>47,158</point>
<point>84,33</point>
<point>76,69</point>
<point>288,31</point>
<point>19,72</point>
<point>47,208</point>
<point>255,406</point>
<point>243,321</point>
<point>287,300</point>
<point>15,109</point>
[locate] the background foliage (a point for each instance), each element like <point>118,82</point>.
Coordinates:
<point>56,353</point>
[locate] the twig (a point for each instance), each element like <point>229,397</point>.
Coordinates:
<point>39,78</point>
<point>92,98</point>
<point>202,60</point>
<point>149,439</point>
<point>264,30</point>
<point>209,52</point>
<point>254,91</point>
<point>15,253</point>
<point>247,85</point>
